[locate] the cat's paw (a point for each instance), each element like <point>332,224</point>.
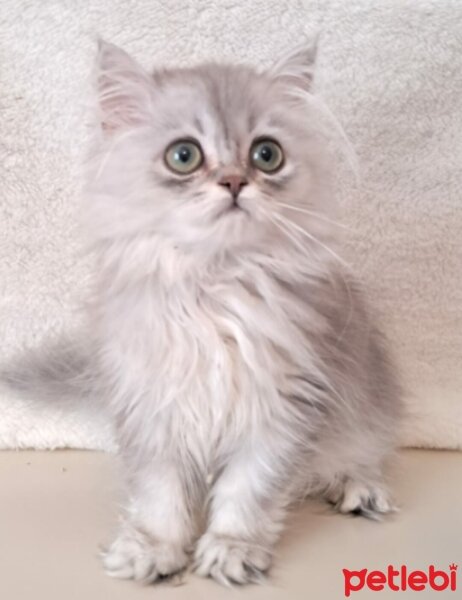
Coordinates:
<point>365,500</point>
<point>133,555</point>
<point>230,560</point>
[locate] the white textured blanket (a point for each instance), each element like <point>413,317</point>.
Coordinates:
<point>390,70</point>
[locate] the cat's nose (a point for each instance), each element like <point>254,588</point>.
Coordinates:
<point>234,182</point>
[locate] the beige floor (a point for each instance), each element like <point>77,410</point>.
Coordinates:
<point>56,507</point>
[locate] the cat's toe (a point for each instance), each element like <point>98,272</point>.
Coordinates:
<point>365,500</point>
<point>229,560</point>
<point>134,556</point>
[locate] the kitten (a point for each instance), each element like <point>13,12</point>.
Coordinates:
<point>235,353</point>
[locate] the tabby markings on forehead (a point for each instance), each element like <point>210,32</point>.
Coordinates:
<point>198,125</point>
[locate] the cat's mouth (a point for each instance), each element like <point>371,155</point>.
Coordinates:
<point>234,207</point>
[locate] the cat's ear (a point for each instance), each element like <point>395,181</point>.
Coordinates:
<point>296,67</point>
<point>124,88</point>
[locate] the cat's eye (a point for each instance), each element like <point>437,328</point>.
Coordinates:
<point>266,155</point>
<point>184,157</point>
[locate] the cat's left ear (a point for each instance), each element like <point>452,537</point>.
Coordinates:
<point>296,67</point>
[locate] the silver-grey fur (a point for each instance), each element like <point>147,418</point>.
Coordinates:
<point>234,351</point>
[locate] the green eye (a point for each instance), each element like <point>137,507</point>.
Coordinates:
<point>266,155</point>
<point>184,157</point>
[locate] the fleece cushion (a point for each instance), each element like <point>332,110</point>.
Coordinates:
<point>392,73</point>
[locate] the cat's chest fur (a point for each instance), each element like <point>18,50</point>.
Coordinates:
<point>211,348</point>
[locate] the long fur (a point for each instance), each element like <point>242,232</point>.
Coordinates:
<point>234,350</point>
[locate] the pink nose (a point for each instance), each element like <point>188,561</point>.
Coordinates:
<point>234,183</point>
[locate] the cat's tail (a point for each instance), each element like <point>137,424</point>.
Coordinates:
<point>60,371</point>
<point>51,397</point>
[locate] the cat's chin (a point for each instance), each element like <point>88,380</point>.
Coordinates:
<point>230,234</point>
<point>237,227</point>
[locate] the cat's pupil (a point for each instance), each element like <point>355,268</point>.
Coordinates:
<point>266,153</point>
<point>184,154</point>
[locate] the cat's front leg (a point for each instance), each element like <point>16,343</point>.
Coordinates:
<point>157,529</point>
<point>247,508</point>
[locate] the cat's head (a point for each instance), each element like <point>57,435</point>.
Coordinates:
<point>211,158</point>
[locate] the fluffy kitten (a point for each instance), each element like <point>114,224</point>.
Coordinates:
<point>235,354</point>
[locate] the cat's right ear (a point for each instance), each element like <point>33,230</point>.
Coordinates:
<point>124,88</point>
<point>296,67</point>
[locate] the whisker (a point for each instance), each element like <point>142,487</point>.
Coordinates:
<point>283,225</point>
<point>287,232</point>
<point>345,282</point>
<point>293,226</point>
<point>103,159</point>
<point>346,146</point>
<point>312,214</point>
